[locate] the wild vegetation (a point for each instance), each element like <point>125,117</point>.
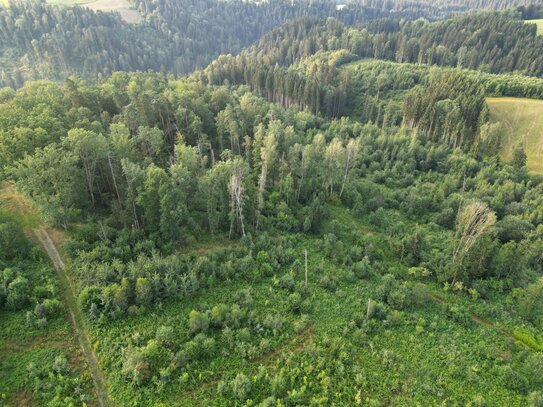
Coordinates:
<point>40,361</point>
<point>323,219</point>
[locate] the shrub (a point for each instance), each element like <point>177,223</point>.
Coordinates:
<point>18,293</point>
<point>52,307</point>
<point>219,315</point>
<point>459,314</point>
<point>198,321</point>
<point>535,399</point>
<point>328,282</point>
<point>12,241</point>
<point>362,268</point>
<point>287,282</point>
<point>241,386</point>
<point>165,336</point>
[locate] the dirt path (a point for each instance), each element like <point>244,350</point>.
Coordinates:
<point>75,317</point>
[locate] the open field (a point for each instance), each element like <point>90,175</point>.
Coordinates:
<point>120,6</point>
<point>539,24</point>
<point>523,124</point>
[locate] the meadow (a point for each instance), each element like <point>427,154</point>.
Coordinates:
<point>522,121</point>
<point>123,7</point>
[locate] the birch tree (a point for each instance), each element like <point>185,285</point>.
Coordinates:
<point>474,222</point>
<point>351,158</point>
<point>237,195</point>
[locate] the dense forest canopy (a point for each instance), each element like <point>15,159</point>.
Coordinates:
<point>491,42</point>
<point>437,9</point>
<point>150,164</point>
<point>41,41</point>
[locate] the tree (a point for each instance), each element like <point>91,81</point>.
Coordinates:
<point>52,179</point>
<point>237,194</point>
<point>149,196</point>
<point>91,148</point>
<point>474,222</point>
<point>519,158</point>
<point>268,156</point>
<point>198,321</point>
<point>174,198</point>
<point>143,292</point>
<point>353,148</point>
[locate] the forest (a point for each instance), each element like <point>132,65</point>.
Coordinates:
<point>319,213</point>
<point>42,41</point>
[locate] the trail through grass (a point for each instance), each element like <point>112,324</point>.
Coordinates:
<point>21,208</point>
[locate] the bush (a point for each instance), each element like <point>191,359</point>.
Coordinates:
<point>52,307</point>
<point>328,282</point>
<point>18,293</point>
<point>165,336</point>
<point>198,321</point>
<point>12,241</point>
<point>241,386</point>
<point>295,302</point>
<point>287,282</point>
<point>535,399</point>
<point>362,268</point>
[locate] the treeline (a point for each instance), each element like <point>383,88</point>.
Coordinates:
<point>452,108</point>
<point>40,41</point>
<point>374,91</point>
<point>490,42</point>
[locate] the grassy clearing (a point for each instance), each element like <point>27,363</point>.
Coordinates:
<point>122,7</point>
<point>69,2</point>
<point>19,208</point>
<point>523,124</point>
<point>424,350</point>
<point>539,24</point>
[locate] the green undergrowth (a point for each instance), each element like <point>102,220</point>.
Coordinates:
<point>434,350</point>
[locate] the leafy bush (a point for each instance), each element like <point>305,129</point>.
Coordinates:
<point>198,321</point>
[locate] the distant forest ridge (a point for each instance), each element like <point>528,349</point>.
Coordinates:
<point>42,41</point>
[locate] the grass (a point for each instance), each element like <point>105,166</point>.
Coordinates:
<point>13,203</point>
<point>539,24</point>
<point>21,344</point>
<point>523,125</point>
<point>69,2</point>
<point>123,7</point>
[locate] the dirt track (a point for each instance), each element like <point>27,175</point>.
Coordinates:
<point>75,317</point>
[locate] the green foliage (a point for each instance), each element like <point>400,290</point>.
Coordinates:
<point>198,322</point>
<point>13,243</point>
